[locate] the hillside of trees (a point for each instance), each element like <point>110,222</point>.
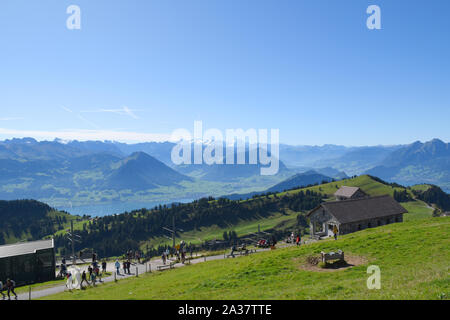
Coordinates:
<point>27,220</point>
<point>435,195</point>
<point>114,235</point>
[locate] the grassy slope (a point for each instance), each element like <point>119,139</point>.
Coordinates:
<point>367,184</point>
<point>413,257</point>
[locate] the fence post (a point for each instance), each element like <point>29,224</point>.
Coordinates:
<point>29,294</point>
<point>115,276</point>
<point>137,271</point>
<point>150,266</point>
<point>205,258</point>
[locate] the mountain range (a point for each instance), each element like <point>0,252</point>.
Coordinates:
<point>86,172</point>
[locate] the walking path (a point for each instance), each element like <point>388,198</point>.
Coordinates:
<point>141,268</point>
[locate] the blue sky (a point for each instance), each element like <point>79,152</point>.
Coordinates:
<point>141,69</point>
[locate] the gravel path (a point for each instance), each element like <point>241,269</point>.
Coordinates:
<point>141,268</point>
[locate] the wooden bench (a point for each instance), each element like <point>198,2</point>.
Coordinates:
<point>165,266</point>
<point>332,256</point>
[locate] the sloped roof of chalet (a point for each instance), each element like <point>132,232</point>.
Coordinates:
<point>360,209</point>
<point>22,248</point>
<point>345,191</point>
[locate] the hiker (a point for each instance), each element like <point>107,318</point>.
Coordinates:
<point>94,257</point>
<point>69,282</point>
<point>103,266</point>
<point>137,257</point>
<point>63,261</point>
<point>62,272</point>
<point>93,278</point>
<point>83,278</point>
<point>273,241</point>
<point>90,271</point>
<point>128,267</point>
<point>98,274</point>
<point>10,285</point>
<point>298,240</point>
<point>163,257</point>
<point>233,249</point>
<point>117,265</point>
<point>335,232</point>
<point>124,265</point>
<point>1,290</point>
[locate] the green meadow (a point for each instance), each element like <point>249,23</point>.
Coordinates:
<point>413,258</point>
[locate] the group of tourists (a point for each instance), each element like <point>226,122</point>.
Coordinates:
<point>180,252</point>
<point>126,265</point>
<point>8,286</point>
<point>297,239</point>
<point>93,273</point>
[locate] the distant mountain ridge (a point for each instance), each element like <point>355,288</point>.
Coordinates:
<point>141,171</point>
<point>296,181</point>
<point>418,162</point>
<point>95,171</point>
<point>300,180</point>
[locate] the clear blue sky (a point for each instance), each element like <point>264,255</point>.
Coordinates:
<point>309,68</point>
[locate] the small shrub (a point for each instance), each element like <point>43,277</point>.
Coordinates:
<point>313,260</point>
<point>322,265</point>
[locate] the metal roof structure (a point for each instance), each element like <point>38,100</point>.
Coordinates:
<point>22,248</point>
<point>347,192</point>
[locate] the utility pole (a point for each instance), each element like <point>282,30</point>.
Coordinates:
<point>173,233</point>
<point>72,238</point>
<point>73,243</point>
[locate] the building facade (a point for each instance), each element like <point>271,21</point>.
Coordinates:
<point>354,215</point>
<point>28,262</point>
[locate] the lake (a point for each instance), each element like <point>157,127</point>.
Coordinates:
<point>99,210</point>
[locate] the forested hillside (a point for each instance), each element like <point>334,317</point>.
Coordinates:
<point>28,220</point>
<point>113,235</point>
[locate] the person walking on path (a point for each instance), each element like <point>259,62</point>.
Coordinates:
<point>298,240</point>
<point>10,285</point>
<point>128,267</point>
<point>1,290</point>
<point>163,257</point>
<point>117,265</point>
<point>233,248</point>
<point>83,279</point>
<point>335,232</point>
<point>93,278</point>
<point>103,266</point>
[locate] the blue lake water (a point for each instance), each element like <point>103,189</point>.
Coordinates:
<point>99,210</point>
